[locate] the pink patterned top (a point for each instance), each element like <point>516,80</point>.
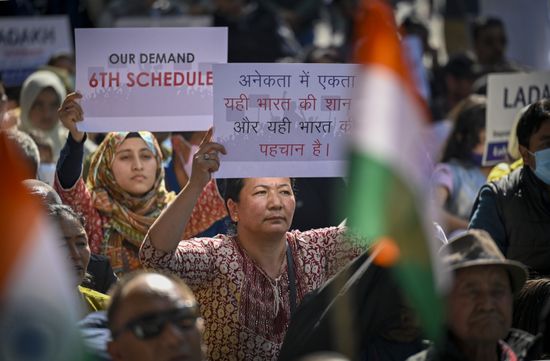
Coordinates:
<point>246,312</point>
<point>209,208</point>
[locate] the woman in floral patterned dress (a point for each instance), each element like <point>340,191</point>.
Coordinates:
<point>248,283</point>
<point>124,192</point>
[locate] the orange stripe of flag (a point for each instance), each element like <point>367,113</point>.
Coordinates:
<point>377,43</point>
<point>18,209</point>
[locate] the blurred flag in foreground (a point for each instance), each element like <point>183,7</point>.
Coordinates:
<point>38,305</point>
<point>389,169</point>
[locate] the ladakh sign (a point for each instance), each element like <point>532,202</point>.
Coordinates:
<point>507,95</point>
<point>27,43</point>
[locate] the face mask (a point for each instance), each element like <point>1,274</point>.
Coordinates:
<point>46,172</point>
<point>542,165</point>
<point>477,159</point>
<point>188,165</point>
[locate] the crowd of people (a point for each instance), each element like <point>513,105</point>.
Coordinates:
<point>173,264</point>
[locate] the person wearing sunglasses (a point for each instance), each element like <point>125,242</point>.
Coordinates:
<point>154,317</point>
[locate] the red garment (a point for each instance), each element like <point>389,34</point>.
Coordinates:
<point>209,209</point>
<point>507,353</point>
<point>246,312</point>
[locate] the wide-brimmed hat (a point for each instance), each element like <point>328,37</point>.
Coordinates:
<point>477,248</point>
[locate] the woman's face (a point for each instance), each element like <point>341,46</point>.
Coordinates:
<point>43,112</point>
<point>76,242</point>
<point>134,167</point>
<point>266,206</point>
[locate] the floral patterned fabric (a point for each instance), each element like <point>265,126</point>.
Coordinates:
<point>246,312</point>
<point>124,255</point>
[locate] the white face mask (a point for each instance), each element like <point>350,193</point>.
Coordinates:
<point>188,165</point>
<point>46,173</point>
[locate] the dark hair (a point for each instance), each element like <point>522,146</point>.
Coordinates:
<point>26,147</point>
<point>531,310</point>
<point>132,135</point>
<point>232,189</point>
<point>531,120</point>
<point>462,66</point>
<point>58,212</point>
<point>413,25</point>
<point>483,23</point>
<point>116,294</point>
<point>465,134</point>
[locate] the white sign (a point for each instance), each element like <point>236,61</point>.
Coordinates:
<point>507,95</point>
<point>27,43</point>
<point>157,79</point>
<point>289,120</point>
<point>165,21</point>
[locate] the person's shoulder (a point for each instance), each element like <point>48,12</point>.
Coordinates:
<point>97,300</point>
<point>315,239</point>
<point>93,293</point>
<point>215,242</point>
<point>315,233</point>
<point>443,168</point>
<point>100,259</point>
<point>498,171</point>
<point>510,182</point>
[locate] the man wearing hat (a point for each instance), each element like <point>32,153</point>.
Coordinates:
<point>479,304</point>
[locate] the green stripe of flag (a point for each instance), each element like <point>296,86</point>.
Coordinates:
<point>382,205</point>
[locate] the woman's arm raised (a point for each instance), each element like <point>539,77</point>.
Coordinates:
<point>69,165</point>
<point>69,183</point>
<point>70,113</point>
<point>165,233</point>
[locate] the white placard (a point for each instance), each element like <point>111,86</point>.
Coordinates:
<point>157,79</point>
<point>27,43</point>
<point>165,21</point>
<point>290,120</point>
<point>507,95</point>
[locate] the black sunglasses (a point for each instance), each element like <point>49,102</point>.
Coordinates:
<point>152,324</point>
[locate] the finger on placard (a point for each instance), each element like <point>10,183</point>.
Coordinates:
<point>207,137</point>
<point>214,148</point>
<point>73,96</point>
<point>221,148</point>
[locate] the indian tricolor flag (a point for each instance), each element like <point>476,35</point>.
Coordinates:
<point>38,304</point>
<point>389,169</point>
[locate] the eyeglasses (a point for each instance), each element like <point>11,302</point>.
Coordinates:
<point>152,324</point>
